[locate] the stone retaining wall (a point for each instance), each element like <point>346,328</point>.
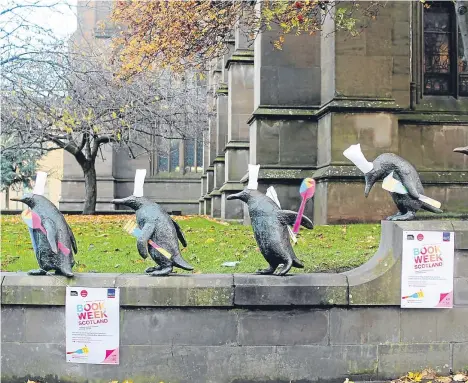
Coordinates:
<point>246,328</point>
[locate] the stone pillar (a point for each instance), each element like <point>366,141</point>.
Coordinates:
<point>240,107</point>
<point>221,137</point>
<point>210,148</point>
<point>283,133</point>
<point>365,80</point>
<point>209,188</point>
<point>201,201</point>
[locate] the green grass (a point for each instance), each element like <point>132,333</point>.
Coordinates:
<point>103,246</point>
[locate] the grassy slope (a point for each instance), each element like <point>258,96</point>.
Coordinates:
<point>103,246</point>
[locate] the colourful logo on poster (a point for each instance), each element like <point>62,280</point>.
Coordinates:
<point>91,313</point>
<point>418,295</point>
<point>82,351</point>
<point>427,257</point>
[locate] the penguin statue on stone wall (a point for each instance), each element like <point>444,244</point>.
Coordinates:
<point>270,226</point>
<point>52,239</point>
<point>157,232</point>
<point>408,192</point>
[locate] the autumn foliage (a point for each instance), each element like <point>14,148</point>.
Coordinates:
<point>189,34</point>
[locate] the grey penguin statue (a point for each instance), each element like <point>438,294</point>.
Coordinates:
<point>270,226</point>
<point>157,227</point>
<point>53,240</point>
<point>403,172</point>
<point>463,150</point>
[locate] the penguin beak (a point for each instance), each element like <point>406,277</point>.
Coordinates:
<point>461,150</point>
<point>369,183</point>
<point>118,202</point>
<point>234,196</point>
<point>16,199</point>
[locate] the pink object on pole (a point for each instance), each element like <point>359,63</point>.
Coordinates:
<point>306,191</point>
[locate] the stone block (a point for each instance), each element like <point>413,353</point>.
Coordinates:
<point>178,290</point>
<point>44,324</point>
<point>327,363</point>
<point>176,327</point>
<point>401,65</point>
<point>143,364</point>
<point>364,76</point>
<point>376,132</point>
<point>364,325</point>
<point>461,292</point>
<point>268,144</point>
<point>430,147</point>
<point>13,323</point>
<point>379,37</point>
<point>20,288</point>
<point>216,205</point>
<point>461,236</point>
<point>219,174</point>
<point>397,359</point>
<point>401,38</point>
<point>43,360</point>
<point>296,137</point>
<point>293,290</point>
<point>460,357</point>
<point>277,328</point>
<point>461,263</point>
<point>347,45</point>
<point>427,325</point>
<point>241,364</point>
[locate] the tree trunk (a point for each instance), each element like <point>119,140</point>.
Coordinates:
<point>89,171</point>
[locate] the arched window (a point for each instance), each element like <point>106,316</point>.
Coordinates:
<point>445,69</point>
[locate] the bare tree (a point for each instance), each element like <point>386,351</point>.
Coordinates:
<point>76,103</point>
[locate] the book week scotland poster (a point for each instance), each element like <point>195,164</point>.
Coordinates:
<point>427,269</point>
<point>92,325</point>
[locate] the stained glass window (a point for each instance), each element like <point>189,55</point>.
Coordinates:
<point>189,151</point>
<point>445,63</point>
<point>174,155</point>
<point>438,41</point>
<point>462,67</point>
<point>200,155</point>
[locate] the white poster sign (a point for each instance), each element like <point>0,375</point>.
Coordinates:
<point>92,325</point>
<point>427,269</point>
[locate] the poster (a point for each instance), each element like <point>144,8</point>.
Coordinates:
<point>92,325</point>
<point>427,269</point>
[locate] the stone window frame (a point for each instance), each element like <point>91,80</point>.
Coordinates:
<point>181,166</point>
<point>418,93</point>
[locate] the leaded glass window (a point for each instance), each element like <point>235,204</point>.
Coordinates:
<point>445,65</point>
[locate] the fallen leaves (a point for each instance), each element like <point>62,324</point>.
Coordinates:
<point>430,376</point>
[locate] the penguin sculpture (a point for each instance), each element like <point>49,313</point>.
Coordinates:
<point>158,230</point>
<point>389,164</point>
<point>462,150</point>
<point>270,226</point>
<point>52,238</point>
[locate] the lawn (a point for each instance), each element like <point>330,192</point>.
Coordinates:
<point>103,246</point>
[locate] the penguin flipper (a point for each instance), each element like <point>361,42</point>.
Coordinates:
<point>180,233</point>
<point>72,239</point>
<point>431,208</point>
<point>51,234</point>
<point>288,217</point>
<point>142,243</point>
<point>408,182</point>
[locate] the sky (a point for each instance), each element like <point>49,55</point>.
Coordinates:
<point>61,19</point>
